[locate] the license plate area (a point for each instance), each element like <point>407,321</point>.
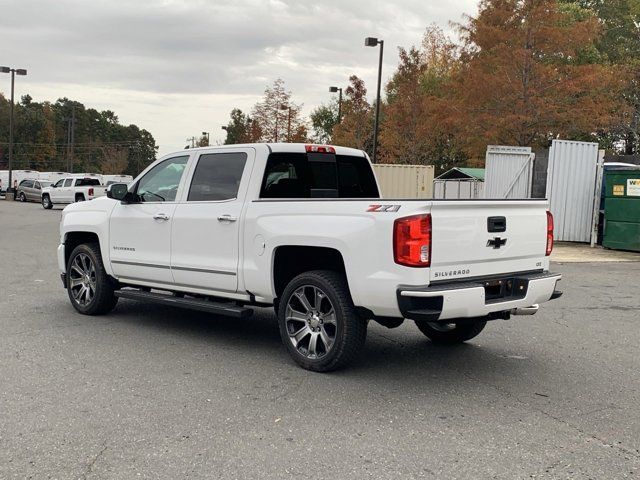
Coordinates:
<point>505,289</point>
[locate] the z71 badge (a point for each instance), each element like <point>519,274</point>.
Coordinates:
<point>383,208</point>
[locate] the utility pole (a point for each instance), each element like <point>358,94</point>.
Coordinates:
<point>71,127</point>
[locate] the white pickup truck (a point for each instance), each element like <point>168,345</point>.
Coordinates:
<point>302,228</point>
<point>72,189</point>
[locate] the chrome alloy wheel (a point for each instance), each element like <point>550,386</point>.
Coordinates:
<point>82,279</point>
<point>311,322</point>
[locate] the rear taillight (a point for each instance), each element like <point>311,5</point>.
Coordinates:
<point>412,241</point>
<point>319,149</point>
<point>90,191</point>
<point>549,233</point>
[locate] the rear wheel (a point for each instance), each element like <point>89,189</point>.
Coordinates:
<point>90,289</point>
<point>23,197</point>
<point>318,322</point>
<point>451,333</point>
<point>80,198</point>
<point>46,202</point>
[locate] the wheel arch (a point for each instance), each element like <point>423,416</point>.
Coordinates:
<point>290,261</point>
<point>78,237</point>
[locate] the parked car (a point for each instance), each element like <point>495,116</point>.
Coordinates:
<point>302,228</point>
<point>72,189</point>
<point>30,190</point>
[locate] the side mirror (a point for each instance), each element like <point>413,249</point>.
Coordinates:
<point>117,191</point>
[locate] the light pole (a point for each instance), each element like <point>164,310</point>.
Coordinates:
<point>334,90</point>
<point>374,42</point>
<point>14,72</point>
<point>206,134</point>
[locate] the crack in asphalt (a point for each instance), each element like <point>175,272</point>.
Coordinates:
<point>93,461</point>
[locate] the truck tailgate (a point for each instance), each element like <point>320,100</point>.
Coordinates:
<point>486,238</point>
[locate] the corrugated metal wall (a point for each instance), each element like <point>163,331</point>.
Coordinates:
<point>508,172</point>
<point>571,184</point>
<point>405,181</point>
<point>458,188</point>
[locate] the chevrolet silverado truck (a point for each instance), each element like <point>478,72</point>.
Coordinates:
<point>302,229</point>
<point>72,189</point>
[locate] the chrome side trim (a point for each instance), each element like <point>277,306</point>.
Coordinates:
<point>139,264</point>
<point>204,270</point>
<point>167,267</point>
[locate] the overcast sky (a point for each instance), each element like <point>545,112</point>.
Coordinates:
<point>177,68</point>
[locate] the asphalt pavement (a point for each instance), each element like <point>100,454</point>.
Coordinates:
<point>156,392</point>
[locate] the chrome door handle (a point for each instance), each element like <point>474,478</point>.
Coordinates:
<point>161,216</point>
<point>227,218</point>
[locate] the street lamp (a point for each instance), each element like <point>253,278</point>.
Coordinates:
<point>206,134</point>
<point>334,90</point>
<point>14,72</point>
<point>374,42</point>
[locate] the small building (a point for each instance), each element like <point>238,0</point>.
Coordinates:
<point>459,182</point>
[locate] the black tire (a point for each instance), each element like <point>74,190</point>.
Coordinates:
<point>103,300</point>
<point>456,333</point>
<point>79,198</point>
<point>46,202</point>
<point>23,197</point>
<point>349,330</point>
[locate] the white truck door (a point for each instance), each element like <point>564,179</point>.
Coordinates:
<point>206,226</point>
<point>140,231</point>
<point>65,194</point>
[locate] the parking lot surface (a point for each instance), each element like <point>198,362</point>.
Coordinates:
<point>155,392</point>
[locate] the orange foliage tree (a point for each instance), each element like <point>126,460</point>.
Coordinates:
<point>527,76</point>
<point>356,128</point>
<point>417,127</point>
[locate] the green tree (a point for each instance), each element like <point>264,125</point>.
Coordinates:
<point>239,128</point>
<point>323,119</point>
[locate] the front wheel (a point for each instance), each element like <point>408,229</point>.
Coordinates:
<point>451,333</point>
<point>46,202</point>
<point>318,322</point>
<point>90,289</point>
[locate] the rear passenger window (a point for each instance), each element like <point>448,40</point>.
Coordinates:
<point>68,182</point>
<point>318,175</point>
<point>26,183</point>
<point>217,177</point>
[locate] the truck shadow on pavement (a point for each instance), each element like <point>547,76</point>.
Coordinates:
<point>402,354</point>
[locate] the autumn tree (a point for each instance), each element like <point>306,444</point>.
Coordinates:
<point>525,77</point>
<point>114,160</point>
<point>416,129</point>
<point>356,128</point>
<point>277,118</point>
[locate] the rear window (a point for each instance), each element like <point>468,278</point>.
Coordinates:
<point>318,175</point>
<point>87,182</point>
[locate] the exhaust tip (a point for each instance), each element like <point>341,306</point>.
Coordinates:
<point>532,310</point>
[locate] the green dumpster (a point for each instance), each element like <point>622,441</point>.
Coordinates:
<point>622,210</point>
